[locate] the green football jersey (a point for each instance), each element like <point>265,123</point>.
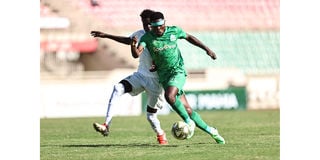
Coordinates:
<point>164,51</point>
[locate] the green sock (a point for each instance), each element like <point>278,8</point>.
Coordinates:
<point>179,108</point>
<point>199,122</point>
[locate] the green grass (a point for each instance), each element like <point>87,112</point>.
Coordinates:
<point>250,135</point>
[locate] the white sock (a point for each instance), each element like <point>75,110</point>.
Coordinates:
<point>118,91</point>
<point>154,122</point>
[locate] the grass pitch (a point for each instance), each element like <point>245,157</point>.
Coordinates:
<point>249,135</point>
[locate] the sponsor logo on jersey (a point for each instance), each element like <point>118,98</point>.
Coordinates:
<point>164,48</point>
<point>173,37</point>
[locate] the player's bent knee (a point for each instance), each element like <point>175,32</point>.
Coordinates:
<point>127,86</point>
<point>151,110</point>
<point>170,99</point>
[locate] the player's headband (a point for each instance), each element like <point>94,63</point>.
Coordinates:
<point>159,23</point>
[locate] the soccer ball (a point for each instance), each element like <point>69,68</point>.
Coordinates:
<point>180,130</point>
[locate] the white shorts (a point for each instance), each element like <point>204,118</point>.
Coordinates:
<point>154,90</point>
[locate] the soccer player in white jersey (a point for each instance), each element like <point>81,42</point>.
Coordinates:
<point>142,80</point>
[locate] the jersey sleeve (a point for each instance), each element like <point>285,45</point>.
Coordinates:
<point>133,34</point>
<point>142,41</point>
<point>138,33</point>
<point>181,34</point>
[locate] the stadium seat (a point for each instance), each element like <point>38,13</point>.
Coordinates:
<point>249,51</point>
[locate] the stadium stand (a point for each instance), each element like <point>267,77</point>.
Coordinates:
<point>244,32</point>
<point>250,51</point>
<point>72,49</point>
<point>213,21</point>
<point>195,15</point>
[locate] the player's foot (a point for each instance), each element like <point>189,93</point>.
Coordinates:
<point>162,139</point>
<point>102,128</point>
<point>216,136</point>
<point>192,127</point>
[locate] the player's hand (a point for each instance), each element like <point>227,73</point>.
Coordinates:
<point>96,34</point>
<point>212,54</point>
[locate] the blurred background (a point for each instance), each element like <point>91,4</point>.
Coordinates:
<point>77,71</point>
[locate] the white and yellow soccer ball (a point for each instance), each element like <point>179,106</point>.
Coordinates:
<point>180,130</point>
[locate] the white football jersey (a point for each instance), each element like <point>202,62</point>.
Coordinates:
<point>145,59</point>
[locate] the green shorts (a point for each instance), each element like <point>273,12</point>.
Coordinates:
<point>177,79</point>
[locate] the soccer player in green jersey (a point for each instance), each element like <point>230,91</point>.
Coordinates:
<point>163,48</point>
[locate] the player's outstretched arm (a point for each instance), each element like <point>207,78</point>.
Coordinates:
<point>121,39</point>
<point>136,51</point>
<point>193,40</point>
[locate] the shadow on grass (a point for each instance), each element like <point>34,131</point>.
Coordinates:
<point>113,145</point>
<point>119,145</point>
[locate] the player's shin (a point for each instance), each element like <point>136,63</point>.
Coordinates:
<point>155,123</point>
<point>199,122</point>
<point>117,92</point>
<point>179,108</point>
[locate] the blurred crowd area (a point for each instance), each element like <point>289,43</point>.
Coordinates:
<point>245,34</point>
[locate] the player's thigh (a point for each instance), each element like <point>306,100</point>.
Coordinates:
<point>155,93</point>
<point>177,80</point>
<point>155,101</point>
